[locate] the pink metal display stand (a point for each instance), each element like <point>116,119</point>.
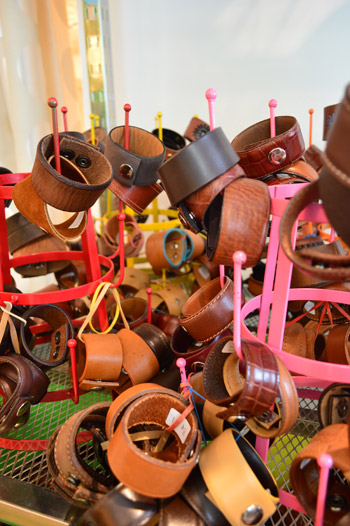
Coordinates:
<point>272,306</point>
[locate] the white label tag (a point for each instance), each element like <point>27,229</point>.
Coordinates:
<point>182,429</point>
<point>204,272</point>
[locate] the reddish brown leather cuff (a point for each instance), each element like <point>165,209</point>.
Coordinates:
<point>209,311</point>
<point>260,154</point>
<point>23,384</point>
<point>197,165</point>
<point>196,129</point>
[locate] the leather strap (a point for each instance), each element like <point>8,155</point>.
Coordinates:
<point>197,165</point>
<point>328,119</point>
<point>297,172</point>
<point>334,405</point>
<point>62,331</point>
<point>150,470</point>
<point>139,164</point>
<point>338,345</point>
<point>334,182</point>
<point>23,384</point>
<point>171,249</point>
<point>131,508</point>
<point>171,298</point>
<point>136,197</point>
<point>177,513</point>
<point>99,361</point>
<point>204,270</point>
<point>334,267</point>
<point>314,157</point>
<point>196,129</point>
<point>237,219</point>
<point>260,154</point>
<point>304,475</point>
<point>135,238</point>
<point>158,342</point>
<point>140,364</point>
<point>271,424</point>
<point>193,209</point>
<point>224,385</point>
<point>208,312</point>
<point>248,499</point>
<point>72,475</point>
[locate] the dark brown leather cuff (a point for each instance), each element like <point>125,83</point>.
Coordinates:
<point>62,328</point>
<point>139,164</point>
<point>262,154</point>
<point>158,342</point>
<point>23,384</point>
<point>197,165</point>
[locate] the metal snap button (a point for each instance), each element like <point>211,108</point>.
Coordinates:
<point>252,515</point>
<point>126,170</point>
<point>82,161</point>
<point>68,154</point>
<point>336,503</point>
<point>55,352</point>
<point>277,156</point>
<point>57,338</point>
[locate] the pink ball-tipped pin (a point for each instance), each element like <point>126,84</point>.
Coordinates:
<point>272,106</point>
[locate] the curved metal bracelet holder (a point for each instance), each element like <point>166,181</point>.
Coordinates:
<point>93,263</point>
<point>272,306</point>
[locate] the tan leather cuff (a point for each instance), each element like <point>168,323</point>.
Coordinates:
<point>172,296</point>
<point>249,498</point>
<point>134,280</point>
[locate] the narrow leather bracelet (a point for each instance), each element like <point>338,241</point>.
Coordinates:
<point>260,154</point>
<point>139,164</point>
<point>248,499</point>
<point>72,476</point>
<point>208,312</point>
<point>161,472</point>
<point>237,219</point>
<point>99,361</point>
<point>192,210</point>
<point>271,424</point>
<point>334,182</point>
<point>62,328</point>
<point>223,385</point>
<point>140,364</point>
<point>131,508</point>
<point>334,405</point>
<point>336,267</point>
<point>23,384</point>
<point>197,165</point>
<point>304,475</point>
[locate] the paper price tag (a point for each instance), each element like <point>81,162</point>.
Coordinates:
<point>182,429</point>
<point>204,272</point>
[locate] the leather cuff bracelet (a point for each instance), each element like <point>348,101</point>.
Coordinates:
<point>72,475</point>
<point>223,384</point>
<point>171,249</point>
<point>138,165</point>
<point>248,499</point>
<point>192,210</point>
<point>86,173</point>
<point>237,219</point>
<point>134,245</point>
<point>196,129</point>
<point>136,197</point>
<point>171,298</point>
<point>23,384</point>
<point>62,329</point>
<point>314,157</point>
<point>184,346</point>
<point>334,182</point>
<point>304,475</point>
<point>209,311</point>
<point>334,405</point>
<point>99,361</point>
<point>134,280</point>
<point>172,141</point>
<point>153,470</point>
<point>260,154</point>
<point>158,342</point>
<point>338,346</point>
<point>197,165</point>
<point>334,267</point>
<point>25,238</point>
<point>134,309</point>
<point>297,172</point>
<point>140,363</point>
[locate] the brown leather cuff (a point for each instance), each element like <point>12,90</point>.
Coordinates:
<point>23,384</point>
<point>260,154</point>
<point>328,119</point>
<point>196,129</point>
